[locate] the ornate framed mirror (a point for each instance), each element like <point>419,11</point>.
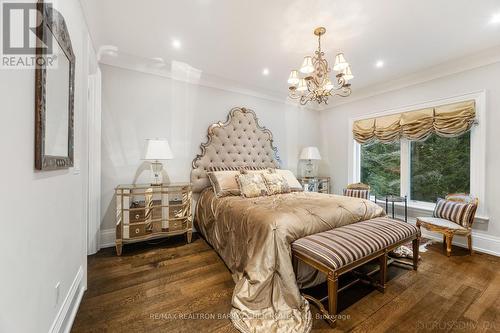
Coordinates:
<point>54,91</point>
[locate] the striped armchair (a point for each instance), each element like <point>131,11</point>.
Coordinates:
<point>357,190</point>
<point>452,216</point>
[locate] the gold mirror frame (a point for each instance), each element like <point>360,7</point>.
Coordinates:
<point>51,24</point>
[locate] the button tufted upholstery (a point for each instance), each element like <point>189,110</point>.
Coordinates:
<point>239,142</point>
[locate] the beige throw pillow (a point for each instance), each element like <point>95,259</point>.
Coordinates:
<point>292,182</point>
<point>251,185</point>
<point>275,183</point>
<point>224,183</point>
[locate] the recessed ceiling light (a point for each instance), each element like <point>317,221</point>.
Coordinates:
<point>158,62</point>
<point>176,44</point>
<point>265,71</point>
<point>379,64</point>
<point>495,19</point>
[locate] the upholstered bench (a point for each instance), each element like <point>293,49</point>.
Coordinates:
<point>340,250</point>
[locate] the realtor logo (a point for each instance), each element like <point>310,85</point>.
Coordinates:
<point>20,43</point>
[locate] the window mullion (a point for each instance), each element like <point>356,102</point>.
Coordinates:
<point>405,167</point>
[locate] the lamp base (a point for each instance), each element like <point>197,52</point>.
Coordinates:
<point>309,170</point>
<point>156,168</point>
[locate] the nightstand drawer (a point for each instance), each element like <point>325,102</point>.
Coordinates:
<point>136,216</point>
<point>315,184</point>
<point>139,212</point>
<point>175,212</point>
<point>137,230</point>
<point>177,225</point>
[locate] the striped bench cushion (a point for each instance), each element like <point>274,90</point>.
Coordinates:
<point>458,212</point>
<point>363,194</point>
<point>340,246</point>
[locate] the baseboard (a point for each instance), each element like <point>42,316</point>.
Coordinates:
<point>107,238</point>
<point>67,313</point>
<point>480,242</point>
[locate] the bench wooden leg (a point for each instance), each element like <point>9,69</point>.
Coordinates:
<point>416,246</point>
<point>383,272</point>
<point>333,286</point>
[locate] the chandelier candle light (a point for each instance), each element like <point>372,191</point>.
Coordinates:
<point>316,84</point>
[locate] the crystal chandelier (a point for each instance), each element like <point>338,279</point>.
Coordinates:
<point>316,84</point>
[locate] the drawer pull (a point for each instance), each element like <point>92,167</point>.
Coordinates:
<point>137,216</point>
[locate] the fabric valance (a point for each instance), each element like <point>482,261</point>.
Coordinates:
<point>446,120</point>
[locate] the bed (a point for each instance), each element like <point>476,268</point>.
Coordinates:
<point>253,235</point>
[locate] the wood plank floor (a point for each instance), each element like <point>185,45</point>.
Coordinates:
<point>178,287</point>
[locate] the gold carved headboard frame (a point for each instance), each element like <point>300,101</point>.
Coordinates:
<point>238,142</point>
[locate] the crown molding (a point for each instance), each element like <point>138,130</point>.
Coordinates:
<point>183,72</point>
<point>481,59</point>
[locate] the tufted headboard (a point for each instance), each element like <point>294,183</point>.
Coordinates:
<point>239,142</point>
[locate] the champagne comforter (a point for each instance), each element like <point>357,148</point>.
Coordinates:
<point>253,237</point>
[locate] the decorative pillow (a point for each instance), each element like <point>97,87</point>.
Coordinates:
<point>224,183</point>
<point>291,180</point>
<point>363,194</point>
<point>251,185</point>
<point>457,212</point>
<point>275,183</point>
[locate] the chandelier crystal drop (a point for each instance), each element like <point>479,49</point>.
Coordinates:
<point>315,83</point>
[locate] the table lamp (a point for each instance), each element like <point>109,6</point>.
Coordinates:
<point>309,154</point>
<point>157,149</point>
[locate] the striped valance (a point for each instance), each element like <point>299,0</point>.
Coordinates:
<point>446,120</point>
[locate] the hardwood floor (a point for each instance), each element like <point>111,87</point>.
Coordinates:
<point>178,287</point>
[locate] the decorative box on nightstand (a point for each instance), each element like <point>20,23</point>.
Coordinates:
<point>315,184</point>
<point>145,212</point>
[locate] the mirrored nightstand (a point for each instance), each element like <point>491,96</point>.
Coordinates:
<point>145,212</point>
<point>315,184</point>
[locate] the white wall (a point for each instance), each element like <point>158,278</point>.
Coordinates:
<point>138,106</point>
<point>335,127</point>
<point>43,223</point>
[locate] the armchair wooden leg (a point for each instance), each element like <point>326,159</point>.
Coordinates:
<point>449,239</point>
<point>416,246</point>
<point>444,241</point>
<point>469,242</point>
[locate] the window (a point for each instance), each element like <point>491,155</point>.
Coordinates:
<point>380,167</point>
<point>436,167</point>
<point>427,169</point>
<point>439,166</point>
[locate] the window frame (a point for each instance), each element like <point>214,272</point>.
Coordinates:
<point>477,151</point>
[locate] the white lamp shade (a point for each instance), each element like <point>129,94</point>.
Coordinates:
<point>307,66</point>
<point>347,73</point>
<point>310,153</point>
<point>340,62</point>
<point>294,78</point>
<point>302,85</point>
<point>157,149</point>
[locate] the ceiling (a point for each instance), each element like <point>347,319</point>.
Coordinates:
<point>235,40</point>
